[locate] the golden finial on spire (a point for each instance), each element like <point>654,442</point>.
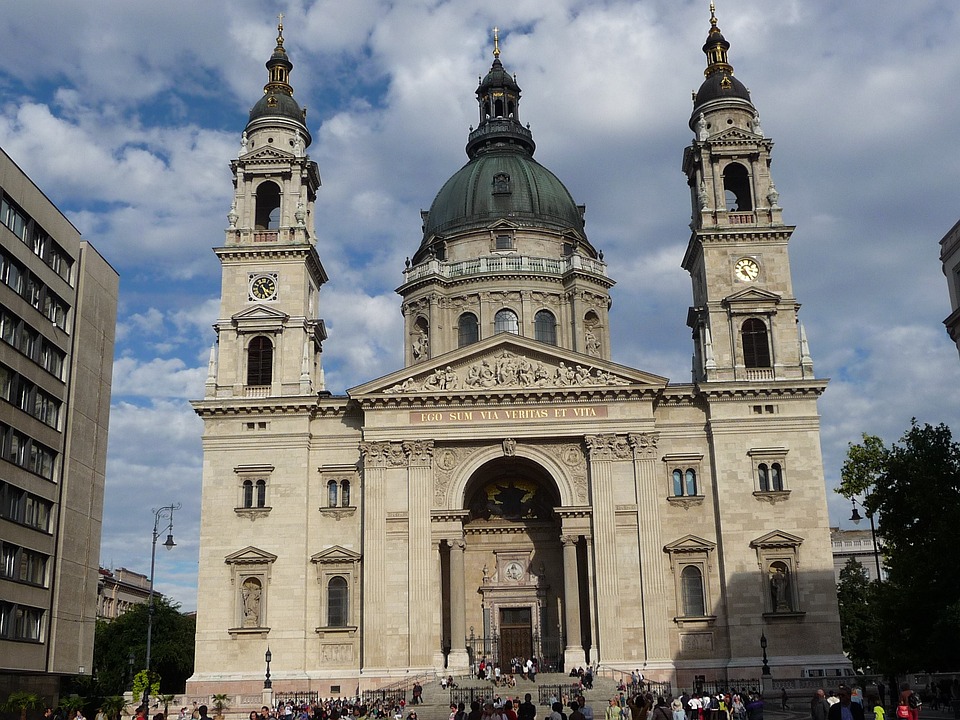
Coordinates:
<point>280,29</point>
<point>496,42</point>
<point>713,16</point>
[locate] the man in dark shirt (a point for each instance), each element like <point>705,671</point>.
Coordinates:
<point>845,709</point>
<point>527,710</point>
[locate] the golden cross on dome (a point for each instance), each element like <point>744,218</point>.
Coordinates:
<point>496,42</point>
<point>713,14</point>
<point>280,29</point>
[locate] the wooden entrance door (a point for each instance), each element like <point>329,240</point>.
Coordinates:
<point>516,635</point>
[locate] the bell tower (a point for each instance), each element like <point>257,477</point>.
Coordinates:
<point>744,314</point>
<point>269,334</point>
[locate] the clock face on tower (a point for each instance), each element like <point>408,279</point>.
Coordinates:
<point>746,269</point>
<point>263,287</point>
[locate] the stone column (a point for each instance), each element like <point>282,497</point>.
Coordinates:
<point>653,586</point>
<point>573,653</point>
<point>376,456</point>
<point>423,595</point>
<point>458,660</point>
<point>606,453</point>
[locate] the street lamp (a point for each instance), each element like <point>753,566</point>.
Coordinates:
<point>268,656</point>
<point>167,512</point>
<point>130,659</point>
<point>856,517</point>
<point>763,646</point>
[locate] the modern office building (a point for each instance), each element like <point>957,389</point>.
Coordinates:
<point>512,491</point>
<point>58,305</point>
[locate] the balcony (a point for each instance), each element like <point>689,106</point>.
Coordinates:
<point>499,265</point>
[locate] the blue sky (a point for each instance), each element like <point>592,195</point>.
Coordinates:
<point>128,114</point>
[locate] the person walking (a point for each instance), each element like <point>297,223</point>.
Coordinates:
<point>819,707</point>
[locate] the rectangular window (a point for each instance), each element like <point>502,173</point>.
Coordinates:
<point>28,622</point>
<point>36,512</point>
<point>51,359</point>
<point>6,382</point>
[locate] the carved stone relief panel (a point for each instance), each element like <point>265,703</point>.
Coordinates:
<point>608,447</point>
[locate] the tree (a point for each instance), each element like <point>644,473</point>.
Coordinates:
<point>220,702</point>
<point>171,651</point>
<point>113,706</point>
<point>22,701</point>
<point>856,614</point>
<point>912,488</point>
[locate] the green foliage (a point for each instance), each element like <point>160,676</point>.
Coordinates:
<point>21,701</point>
<point>172,649</point>
<point>856,614</point>
<point>220,702</point>
<point>140,684</point>
<point>913,490</point>
<point>113,706</point>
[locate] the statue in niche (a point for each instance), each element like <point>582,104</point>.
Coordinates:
<point>592,343</point>
<point>701,128</point>
<point>250,593</point>
<point>780,588</point>
<point>421,345</point>
<point>243,143</point>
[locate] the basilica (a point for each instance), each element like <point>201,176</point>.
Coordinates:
<point>511,491</point>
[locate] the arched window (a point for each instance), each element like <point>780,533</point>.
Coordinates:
<point>736,187</point>
<point>345,493</point>
<point>261,493</point>
<point>337,602</point>
<point>506,321</point>
<point>763,475</point>
<point>545,327</point>
<point>677,483</point>
<point>691,588</point>
<point>268,206</point>
<point>332,493</point>
<point>691,477</point>
<point>260,361</point>
<point>756,349</point>
<point>468,330</point>
<point>247,493</point>
<point>776,476</point>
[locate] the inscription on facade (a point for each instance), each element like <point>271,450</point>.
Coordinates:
<point>696,642</point>
<point>464,417</point>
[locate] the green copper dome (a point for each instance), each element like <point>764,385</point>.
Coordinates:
<point>502,183</point>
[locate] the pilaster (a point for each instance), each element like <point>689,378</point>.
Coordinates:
<point>423,590</point>
<point>605,450</point>
<point>653,581</point>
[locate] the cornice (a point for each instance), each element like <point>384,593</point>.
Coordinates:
<point>262,407</point>
<point>496,398</point>
<point>741,234</point>
<point>486,278</point>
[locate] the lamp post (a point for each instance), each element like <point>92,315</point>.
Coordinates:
<point>130,659</point>
<point>165,512</point>
<point>856,517</point>
<point>765,670</point>
<point>268,656</point>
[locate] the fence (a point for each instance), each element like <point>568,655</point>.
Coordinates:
<point>547,649</point>
<point>384,696</point>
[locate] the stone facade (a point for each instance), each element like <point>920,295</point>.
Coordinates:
<point>950,257</point>
<point>512,490</point>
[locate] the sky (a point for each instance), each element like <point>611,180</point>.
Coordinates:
<point>127,115</point>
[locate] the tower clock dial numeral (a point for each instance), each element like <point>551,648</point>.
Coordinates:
<point>746,269</point>
<point>263,287</point>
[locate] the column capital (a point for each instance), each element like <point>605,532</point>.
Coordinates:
<point>456,544</point>
<point>382,454</point>
<point>418,452</point>
<point>644,445</point>
<point>608,447</point>
<point>569,539</point>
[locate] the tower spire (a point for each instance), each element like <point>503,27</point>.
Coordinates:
<point>279,66</point>
<point>716,48</point>
<point>496,43</point>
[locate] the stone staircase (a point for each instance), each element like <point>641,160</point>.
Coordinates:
<point>436,700</point>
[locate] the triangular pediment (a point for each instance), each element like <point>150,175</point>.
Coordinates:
<point>250,555</point>
<point>776,539</point>
<point>259,312</point>
<point>753,295</point>
<point>335,554</point>
<point>735,135</point>
<point>267,153</point>
<point>508,363</point>
<point>501,224</point>
<point>689,543</point>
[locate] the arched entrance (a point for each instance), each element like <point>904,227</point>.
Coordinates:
<point>513,565</point>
